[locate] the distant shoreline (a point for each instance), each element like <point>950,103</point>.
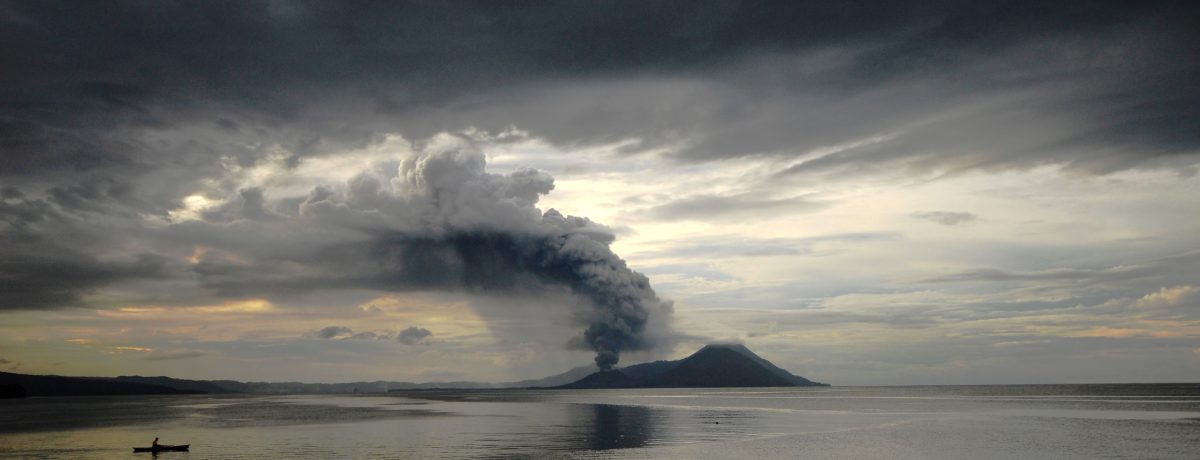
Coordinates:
<point>67,386</point>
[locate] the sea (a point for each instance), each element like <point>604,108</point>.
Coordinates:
<point>1135,421</point>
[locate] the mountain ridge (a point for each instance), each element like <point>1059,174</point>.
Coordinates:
<point>714,365</point>
<point>58,385</point>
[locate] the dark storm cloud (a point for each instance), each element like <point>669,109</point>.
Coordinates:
<point>413,335</point>
<point>946,217</point>
<point>47,257</point>
<point>138,89</point>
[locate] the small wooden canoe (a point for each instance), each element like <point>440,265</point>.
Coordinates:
<point>179,448</point>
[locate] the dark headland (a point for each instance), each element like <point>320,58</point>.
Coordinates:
<point>21,385</point>
<point>713,366</point>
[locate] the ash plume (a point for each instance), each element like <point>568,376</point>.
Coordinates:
<point>439,221</point>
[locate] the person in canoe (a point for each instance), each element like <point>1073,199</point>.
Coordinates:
<point>155,447</point>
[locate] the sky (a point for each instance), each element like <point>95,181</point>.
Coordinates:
<point>907,192</point>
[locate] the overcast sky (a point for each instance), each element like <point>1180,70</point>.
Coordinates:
<point>894,193</point>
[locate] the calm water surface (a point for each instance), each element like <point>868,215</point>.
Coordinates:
<point>1026,421</point>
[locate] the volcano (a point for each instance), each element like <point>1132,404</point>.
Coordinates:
<point>716,365</point>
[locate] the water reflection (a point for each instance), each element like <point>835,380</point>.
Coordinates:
<point>542,427</point>
<point>608,426</point>
<point>856,422</point>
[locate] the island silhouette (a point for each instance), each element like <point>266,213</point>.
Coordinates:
<point>715,365</point>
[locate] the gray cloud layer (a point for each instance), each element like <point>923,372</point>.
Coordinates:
<point>161,91</point>
<point>736,206</point>
<point>111,111</point>
<point>434,221</point>
<point>330,332</point>
<point>413,335</point>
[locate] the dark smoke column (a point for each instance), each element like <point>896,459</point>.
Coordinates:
<point>483,232</point>
<point>622,298</point>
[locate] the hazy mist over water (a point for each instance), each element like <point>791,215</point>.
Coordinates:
<point>1020,421</point>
